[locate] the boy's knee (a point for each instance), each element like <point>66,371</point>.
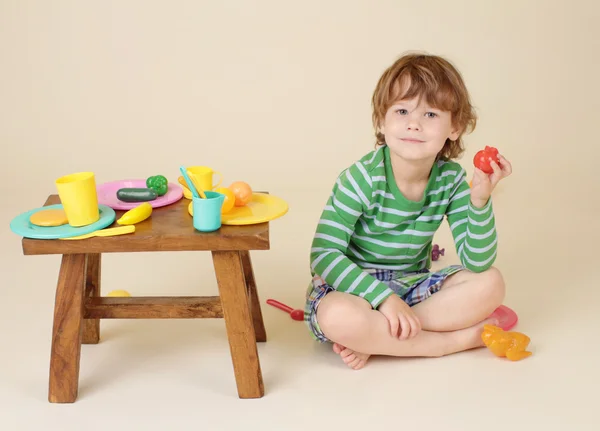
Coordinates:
<point>339,318</point>
<point>492,284</point>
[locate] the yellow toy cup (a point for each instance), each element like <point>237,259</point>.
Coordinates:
<point>202,177</point>
<point>78,196</point>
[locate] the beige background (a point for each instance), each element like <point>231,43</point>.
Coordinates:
<point>277,94</point>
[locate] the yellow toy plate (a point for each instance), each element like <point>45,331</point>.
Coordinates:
<point>262,208</point>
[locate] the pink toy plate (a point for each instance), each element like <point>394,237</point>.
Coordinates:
<point>107,194</point>
<point>507,317</point>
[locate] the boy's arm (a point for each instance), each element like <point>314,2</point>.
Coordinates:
<point>350,197</point>
<point>473,228</point>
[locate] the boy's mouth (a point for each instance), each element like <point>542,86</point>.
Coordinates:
<point>412,140</point>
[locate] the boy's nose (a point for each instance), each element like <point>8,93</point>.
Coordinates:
<point>413,124</point>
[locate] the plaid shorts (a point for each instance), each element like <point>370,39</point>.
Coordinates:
<point>412,287</point>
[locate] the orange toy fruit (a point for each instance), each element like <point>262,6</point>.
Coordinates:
<point>242,192</point>
<point>229,201</point>
<point>511,345</point>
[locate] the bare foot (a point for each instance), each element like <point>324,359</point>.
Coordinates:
<point>354,360</point>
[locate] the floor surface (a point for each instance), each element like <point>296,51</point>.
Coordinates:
<point>157,374</point>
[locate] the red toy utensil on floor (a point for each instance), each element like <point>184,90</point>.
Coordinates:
<point>296,314</point>
<point>506,316</point>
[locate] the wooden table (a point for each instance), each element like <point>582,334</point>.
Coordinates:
<point>79,307</point>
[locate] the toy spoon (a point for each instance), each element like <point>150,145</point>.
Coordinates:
<point>296,314</point>
<point>191,185</point>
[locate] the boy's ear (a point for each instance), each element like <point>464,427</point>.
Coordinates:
<point>454,134</point>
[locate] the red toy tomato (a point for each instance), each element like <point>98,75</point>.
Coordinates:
<point>484,157</point>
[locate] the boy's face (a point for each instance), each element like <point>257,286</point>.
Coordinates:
<point>415,131</point>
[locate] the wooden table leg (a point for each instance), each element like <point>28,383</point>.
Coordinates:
<point>67,330</point>
<point>257,318</point>
<point>91,327</point>
<point>238,321</point>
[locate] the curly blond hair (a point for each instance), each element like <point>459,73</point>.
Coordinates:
<point>434,78</point>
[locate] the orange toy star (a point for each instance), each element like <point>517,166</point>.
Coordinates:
<point>512,345</point>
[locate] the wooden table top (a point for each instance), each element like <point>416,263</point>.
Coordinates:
<point>169,228</point>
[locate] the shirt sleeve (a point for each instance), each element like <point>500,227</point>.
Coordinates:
<point>473,229</point>
<point>349,199</point>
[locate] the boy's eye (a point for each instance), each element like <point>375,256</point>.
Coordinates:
<point>431,114</point>
<point>402,111</point>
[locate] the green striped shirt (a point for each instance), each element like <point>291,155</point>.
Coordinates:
<point>368,224</point>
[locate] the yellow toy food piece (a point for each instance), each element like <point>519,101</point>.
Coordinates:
<point>229,201</point>
<point>119,293</point>
<point>136,215</point>
<point>181,181</point>
<point>53,217</point>
<point>512,345</point>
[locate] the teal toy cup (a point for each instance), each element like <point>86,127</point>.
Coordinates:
<point>207,212</point>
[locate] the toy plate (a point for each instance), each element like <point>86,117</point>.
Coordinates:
<point>262,208</point>
<point>107,194</point>
<point>22,226</point>
<point>507,317</point>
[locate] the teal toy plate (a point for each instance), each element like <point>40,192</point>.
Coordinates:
<point>22,226</point>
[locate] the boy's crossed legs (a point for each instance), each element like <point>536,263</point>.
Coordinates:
<point>451,320</point>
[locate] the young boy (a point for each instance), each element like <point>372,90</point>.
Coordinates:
<point>372,292</point>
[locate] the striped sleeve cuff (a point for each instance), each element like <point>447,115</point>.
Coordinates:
<point>480,220</point>
<point>379,293</point>
<point>478,251</point>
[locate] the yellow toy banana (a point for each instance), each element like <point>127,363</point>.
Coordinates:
<point>136,215</point>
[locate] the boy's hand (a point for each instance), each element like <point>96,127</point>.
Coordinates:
<point>483,184</point>
<point>403,321</point>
